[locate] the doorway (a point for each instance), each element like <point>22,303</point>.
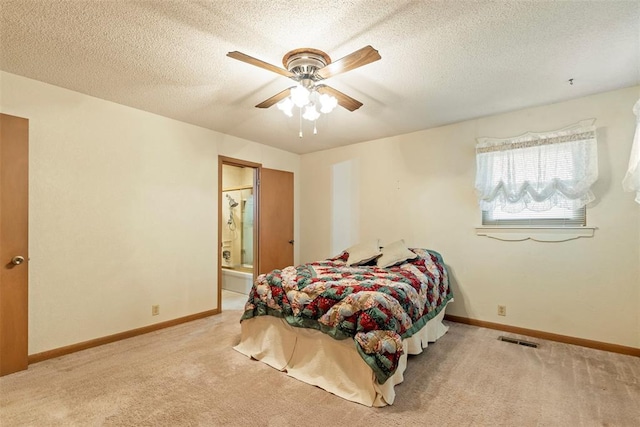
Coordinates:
<point>237,230</point>
<point>255,226</point>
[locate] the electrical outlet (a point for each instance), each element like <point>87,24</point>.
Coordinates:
<point>502,310</point>
<point>155,310</point>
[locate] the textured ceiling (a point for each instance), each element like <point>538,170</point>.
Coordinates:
<point>442,61</point>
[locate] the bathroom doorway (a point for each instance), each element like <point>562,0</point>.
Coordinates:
<point>255,226</point>
<point>237,229</point>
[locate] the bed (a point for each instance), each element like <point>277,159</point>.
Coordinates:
<point>345,327</point>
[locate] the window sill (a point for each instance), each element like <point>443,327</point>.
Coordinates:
<point>539,234</point>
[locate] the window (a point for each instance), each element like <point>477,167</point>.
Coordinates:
<point>537,179</point>
<point>554,217</point>
<point>631,180</point>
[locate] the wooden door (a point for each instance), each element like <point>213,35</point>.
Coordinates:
<point>14,273</point>
<point>275,242</point>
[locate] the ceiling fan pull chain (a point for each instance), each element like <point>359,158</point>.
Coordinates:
<point>300,116</point>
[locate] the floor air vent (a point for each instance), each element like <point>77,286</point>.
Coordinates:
<point>518,341</point>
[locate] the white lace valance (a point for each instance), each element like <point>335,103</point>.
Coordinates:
<point>631,180</point>
<point>538,171</point>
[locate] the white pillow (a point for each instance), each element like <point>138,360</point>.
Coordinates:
<point>363,252</point>
<point>395,253</point>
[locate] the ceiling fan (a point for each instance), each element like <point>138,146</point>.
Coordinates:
<point>308,67</point>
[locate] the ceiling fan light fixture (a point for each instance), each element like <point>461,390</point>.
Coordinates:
<point>300,96</point>
<point>327,103</point>
<point>286,106</point>
<point>310,113</point>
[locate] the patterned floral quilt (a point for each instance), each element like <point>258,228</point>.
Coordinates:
<point>377,307</point>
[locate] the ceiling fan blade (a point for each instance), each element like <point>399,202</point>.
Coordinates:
<point>258,63</point>
<point>360,57</point>
<point>275,98</point>
<point>343,100</point>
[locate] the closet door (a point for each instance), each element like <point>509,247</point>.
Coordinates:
<point>14,256</point>
<point>276,220</point>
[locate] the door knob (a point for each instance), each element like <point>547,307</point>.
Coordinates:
<point>17,260</point>
<point>291,242</point>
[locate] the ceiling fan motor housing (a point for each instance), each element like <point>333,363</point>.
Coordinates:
<point>305,62</point>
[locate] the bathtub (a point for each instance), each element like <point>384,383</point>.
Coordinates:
<point>237,281</point>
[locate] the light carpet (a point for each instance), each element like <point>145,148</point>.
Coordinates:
<point>189,375</point>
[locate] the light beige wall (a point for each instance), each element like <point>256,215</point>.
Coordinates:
<point>123,212</point>
<point>420,187</point>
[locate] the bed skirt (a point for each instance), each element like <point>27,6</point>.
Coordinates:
<point>333,365</point>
